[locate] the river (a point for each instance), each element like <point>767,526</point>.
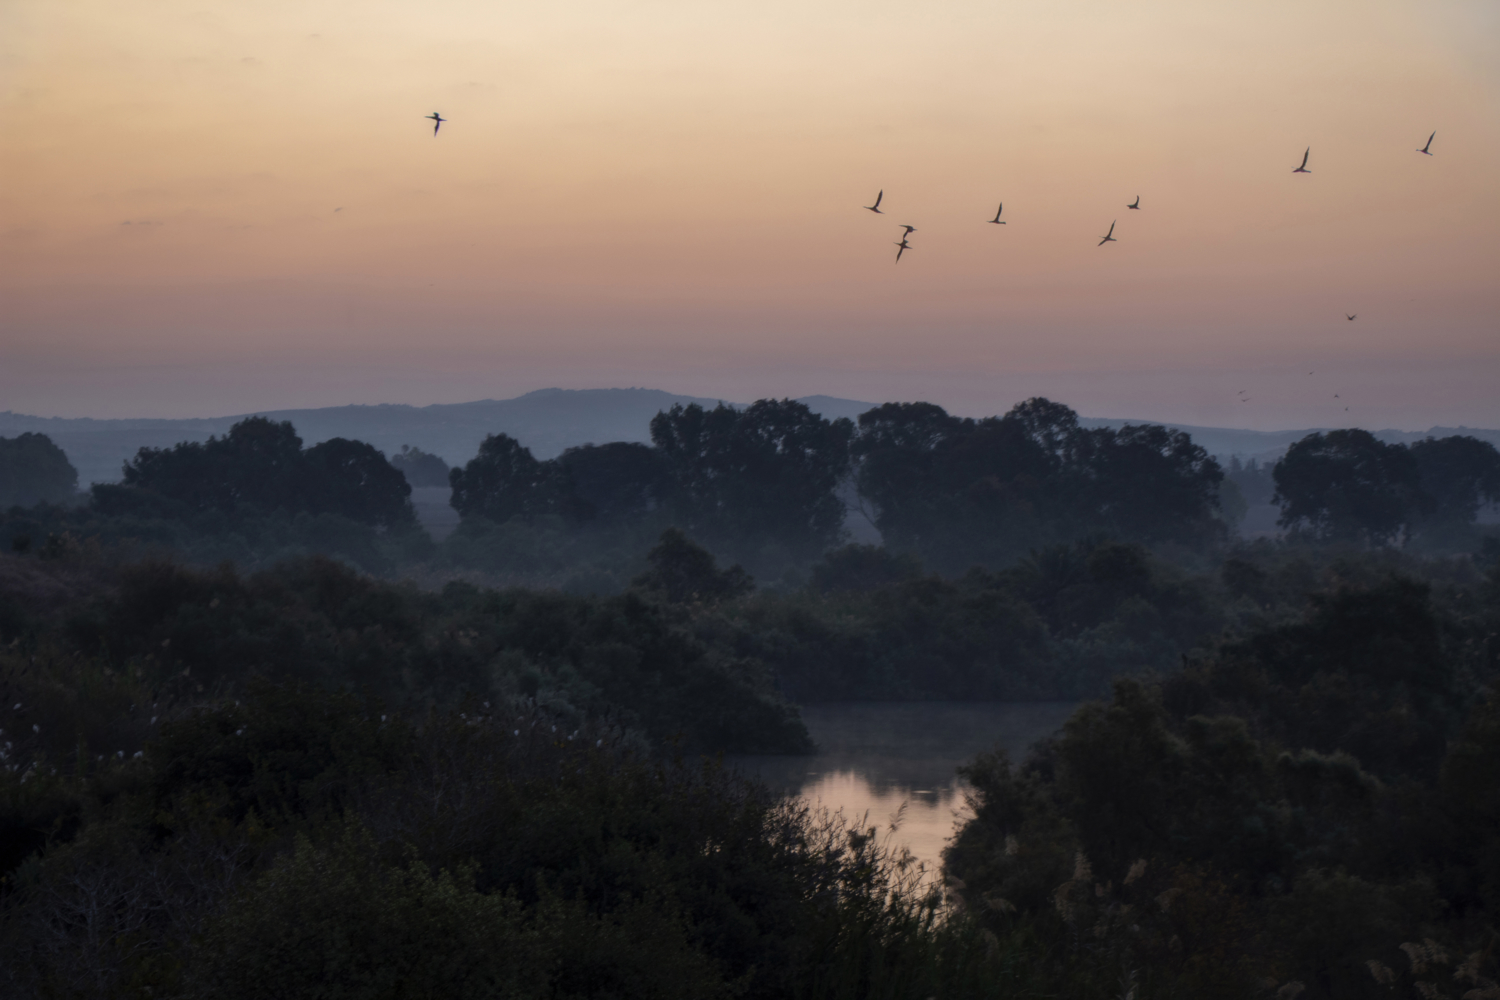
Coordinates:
<point>874,756</point>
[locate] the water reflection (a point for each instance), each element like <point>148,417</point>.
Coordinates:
<point>873,757</point>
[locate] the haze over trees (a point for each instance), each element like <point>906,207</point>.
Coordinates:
<point>419,467</point>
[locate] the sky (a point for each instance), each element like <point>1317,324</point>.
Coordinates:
<point>210,207</point>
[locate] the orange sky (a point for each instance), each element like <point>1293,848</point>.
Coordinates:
<point>211,207</point>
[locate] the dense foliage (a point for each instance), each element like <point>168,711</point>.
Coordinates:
<point>262,465</point>
<point>962,492</point>
<point>1348,486</point>
<point>33,470</point>
<point>1311,805</point>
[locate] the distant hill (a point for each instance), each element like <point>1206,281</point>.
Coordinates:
<point>546,421</point>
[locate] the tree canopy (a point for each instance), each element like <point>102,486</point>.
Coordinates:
<point>960,492</point>
<point>34,470</point>
<point>762,476</point>
<point>260,464</point>
<point>1348,486</point>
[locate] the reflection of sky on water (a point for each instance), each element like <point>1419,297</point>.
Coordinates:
<point>872,757</point>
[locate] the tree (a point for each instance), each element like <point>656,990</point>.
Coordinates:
<point>505,480</point>
<point>897,454</point>
<point>258,463</point>
<point>1150,483</point>
<point>420,468</point>
<point>34,470</point>
<point>1347,486</point>
<point>354,480</point>
<point>617,480</point>
<point>682,572</point>
<point>962,492</point>
<point>765,475</point>
<point>1459,475</point>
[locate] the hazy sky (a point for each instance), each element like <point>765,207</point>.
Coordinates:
<point>211,207</point>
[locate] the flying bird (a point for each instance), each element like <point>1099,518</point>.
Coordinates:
<point>903,247</point>
<point>1428,148</point>
<point>876,207</point>
<point>909,231</point>
<point>1350,316</point>
<point>437,121</point>
<point>1303,169</point>
<point>1109,237</point>
<point>996,219</point>
<point>1136,203</point>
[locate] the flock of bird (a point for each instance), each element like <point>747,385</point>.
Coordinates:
<point>903,245</point>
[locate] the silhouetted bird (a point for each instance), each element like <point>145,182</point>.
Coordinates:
<point>1303,169</point>
<point>876,207</point>
<point>437,121</point>
<point>1136,203</point>
<point>1428,148</point>
<point>909,231</point>
<point>1109,237</point>
<point>903,247</point>
<point>996,219</point>
<point>1350,316</point>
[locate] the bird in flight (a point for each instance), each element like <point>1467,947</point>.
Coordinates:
<point>876,207</point>
<point>996,219</point>
<point>1109,237</point>
<point>437,121</point>
<point>1303,169</point>
<point>903,247</point>
<point>1136,203</point>
<point>909,231</point>
<point>1428,148</point>
<point>1350,316</point>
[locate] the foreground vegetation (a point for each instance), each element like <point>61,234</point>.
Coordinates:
<point>310,782</point>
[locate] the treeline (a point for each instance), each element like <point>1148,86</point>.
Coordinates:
<point>769,486</point>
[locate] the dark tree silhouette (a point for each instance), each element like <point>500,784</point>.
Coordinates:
<point>617,480</point>
<point>354,480</point>
<point>1150,483</point>
<point>1459,475</point>
<point>898,451</point>
<point>260,464</point>
<point>765,475</point>
<point>961,492</point>
<point>34,470</point>
<point>1347,486</point>
<point>505,480</point>
<point>683,572</point>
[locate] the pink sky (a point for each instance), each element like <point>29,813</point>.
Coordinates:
<point>213,207</point>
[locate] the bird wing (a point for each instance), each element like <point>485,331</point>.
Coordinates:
<point>1305,155</point>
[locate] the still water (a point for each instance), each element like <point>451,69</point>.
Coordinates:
<point>874,756</point>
